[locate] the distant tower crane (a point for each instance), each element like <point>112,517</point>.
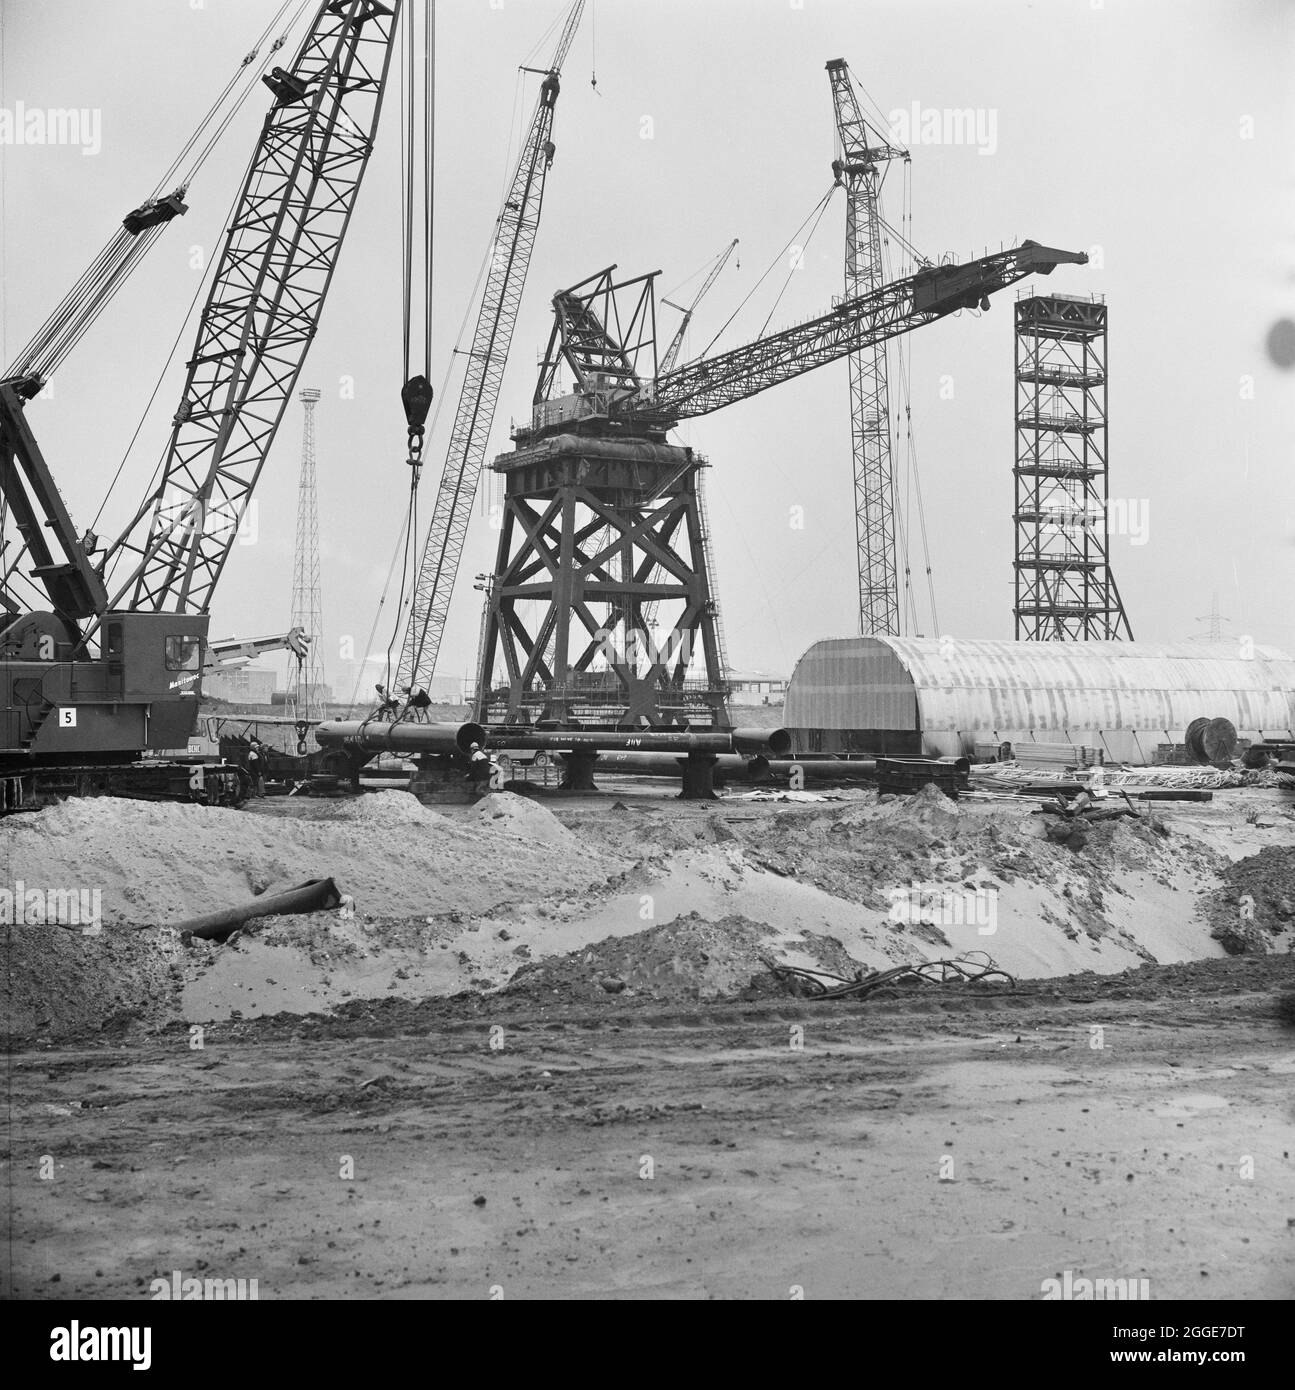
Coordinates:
<point>510,257</point>
<point>671,355</point>
<point>862,168</point>
<point>306,674</point>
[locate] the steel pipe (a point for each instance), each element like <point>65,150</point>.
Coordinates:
<point>762,741</point>
<point>670,764</point>
<point>752,741</point>
<point>825,769</point>
<point>370,736</point>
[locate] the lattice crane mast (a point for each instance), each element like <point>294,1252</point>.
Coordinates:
<point>487,358</point>
<point>861,168</point>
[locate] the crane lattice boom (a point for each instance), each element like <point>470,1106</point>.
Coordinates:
<point>697,388</point>
<point>487,358</point>
<point>263,306</point>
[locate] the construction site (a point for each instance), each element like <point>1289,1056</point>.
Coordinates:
<point>607,873</point>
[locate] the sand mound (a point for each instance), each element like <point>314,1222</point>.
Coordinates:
<point>390,808</point>
<point>158,863</point>
<point>509,814</point>
<point>928,806</point>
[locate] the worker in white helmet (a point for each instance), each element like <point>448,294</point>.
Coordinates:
<point>479,767</point>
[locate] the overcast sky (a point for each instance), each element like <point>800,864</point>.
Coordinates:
<point>1158,135</point>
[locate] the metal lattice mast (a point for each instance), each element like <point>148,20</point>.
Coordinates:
<point>510,258</point>
<point>861,168</point>
<point>306,676</point>
<point>1065,590</point>
<point>708,550</point>
<point>263,306</point>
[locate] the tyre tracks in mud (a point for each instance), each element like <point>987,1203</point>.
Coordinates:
<point>942,1142</point>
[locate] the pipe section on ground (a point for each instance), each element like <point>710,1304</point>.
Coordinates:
<point>313,896</point>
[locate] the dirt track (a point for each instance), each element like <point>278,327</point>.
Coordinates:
<point>771,1168</point>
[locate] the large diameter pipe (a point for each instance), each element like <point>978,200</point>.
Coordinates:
<point>670,764</point>
<point>400,737</point>
<point>754,741</point>
<point>762,741</point>
<point>312,896</point>
<point>596,740</point>
<point>825,769</point>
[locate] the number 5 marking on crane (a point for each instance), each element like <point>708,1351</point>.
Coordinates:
<point>67,717</point>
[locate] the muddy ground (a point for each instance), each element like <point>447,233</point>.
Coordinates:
<point>954,1144</point>
<point>505,1092</point>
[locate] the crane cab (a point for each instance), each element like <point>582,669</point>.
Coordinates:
<point>139,694</point>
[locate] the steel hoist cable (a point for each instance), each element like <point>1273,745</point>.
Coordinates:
<point>101,281</point>
<point>418,145</point>
<point>815,214</point>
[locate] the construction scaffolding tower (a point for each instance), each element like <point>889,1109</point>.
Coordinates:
<point>1065,590</point>
<point>305,684</point>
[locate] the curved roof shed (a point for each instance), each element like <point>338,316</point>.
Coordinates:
<point>941,696</point>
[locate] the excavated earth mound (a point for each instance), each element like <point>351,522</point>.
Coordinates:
<point>1254,913</point>
<point>688,959</point>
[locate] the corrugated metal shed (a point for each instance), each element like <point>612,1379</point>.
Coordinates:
<point>957,692</point>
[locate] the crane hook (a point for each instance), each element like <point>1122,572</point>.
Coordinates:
<point>416,396</point>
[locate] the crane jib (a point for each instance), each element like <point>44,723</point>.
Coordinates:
<point>698,388</point>
<point>263,306</point>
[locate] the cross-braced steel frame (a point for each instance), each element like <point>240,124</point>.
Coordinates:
<point>306,674</point>
<point>595,530</point>
<point>1065,590</point>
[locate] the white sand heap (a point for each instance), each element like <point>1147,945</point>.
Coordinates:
<point>158,862</point>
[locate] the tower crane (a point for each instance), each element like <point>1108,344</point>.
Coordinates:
<point>510,257</point>
<point>865,153</point>
<point>601,513</point>
<point>112,669</point>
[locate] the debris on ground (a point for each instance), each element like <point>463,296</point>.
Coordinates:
<point>686,959</point>
<point>975,968</point>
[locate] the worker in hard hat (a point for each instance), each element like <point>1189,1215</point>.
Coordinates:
<point>479,766</point>
<point>256,766</point>
<point>417,703</point>
<point>388,706</point>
